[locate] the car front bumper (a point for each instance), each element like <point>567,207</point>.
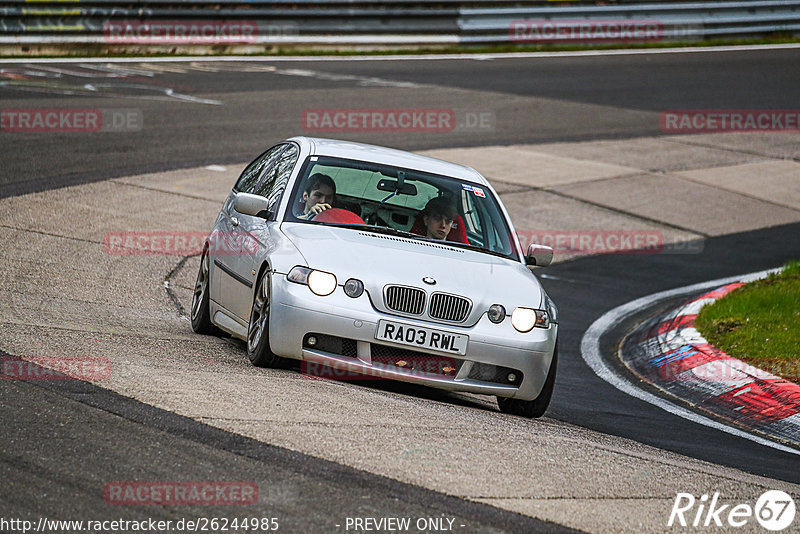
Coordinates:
<point>296,312</point>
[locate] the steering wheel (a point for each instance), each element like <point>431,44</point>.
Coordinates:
<point>338,215</point>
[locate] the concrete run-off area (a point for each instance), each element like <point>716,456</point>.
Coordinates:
<point>67,295</point>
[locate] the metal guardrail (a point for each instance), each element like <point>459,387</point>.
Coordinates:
<point>678,21</point>
<point>389,22</point>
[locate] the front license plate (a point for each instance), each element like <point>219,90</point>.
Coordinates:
<point>423,338</point>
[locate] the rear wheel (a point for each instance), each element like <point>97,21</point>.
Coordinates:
<point>258,331</point>
<point>200,314</point>
<point>537,406</point>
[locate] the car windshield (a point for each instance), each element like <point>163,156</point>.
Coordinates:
<point>415,204</point>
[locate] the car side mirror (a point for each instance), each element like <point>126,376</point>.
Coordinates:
<point>539,255</point>
<point>254,205</point>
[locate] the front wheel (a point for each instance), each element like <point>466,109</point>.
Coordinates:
<point>258,331</point>
<point>200,315</point>
<point>536,407</point>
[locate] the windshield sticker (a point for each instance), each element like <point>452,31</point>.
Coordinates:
<point>477,190</point>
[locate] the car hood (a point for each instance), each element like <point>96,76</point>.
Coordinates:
<point>381,259</point>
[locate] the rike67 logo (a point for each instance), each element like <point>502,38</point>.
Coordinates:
<point>774,510</point>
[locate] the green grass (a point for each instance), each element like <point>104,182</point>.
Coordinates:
<point>759,323</point>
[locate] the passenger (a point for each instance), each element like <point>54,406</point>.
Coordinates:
<point>318,196</point>
<point>438,217</point>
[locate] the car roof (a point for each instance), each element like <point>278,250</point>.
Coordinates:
<point>318,146</point>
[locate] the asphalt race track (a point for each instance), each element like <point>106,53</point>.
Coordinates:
<point>545,100</point>
<point>63,439</point>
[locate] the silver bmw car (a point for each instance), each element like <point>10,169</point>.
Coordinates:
<point>379,263</point>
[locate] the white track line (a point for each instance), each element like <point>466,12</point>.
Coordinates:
<point>590,350</point>
<point>429,57</point>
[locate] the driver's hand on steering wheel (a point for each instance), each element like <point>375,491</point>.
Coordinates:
<point>316,209</point>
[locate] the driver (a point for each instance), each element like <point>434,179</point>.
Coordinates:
<point>318,196</point>
<point>438,216</point>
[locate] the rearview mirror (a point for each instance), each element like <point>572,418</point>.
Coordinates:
<point>254,205</point>
<point>539,255</point>
<point>391,187</point>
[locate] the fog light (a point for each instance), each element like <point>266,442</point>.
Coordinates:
<point>512,377</point>
<point>353,288</point>
<point>312,340</point>
<point>496,313</point>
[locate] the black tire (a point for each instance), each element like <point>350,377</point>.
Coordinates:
<point>538,406</point>
<point>199,313</point>
<point>258,349</point>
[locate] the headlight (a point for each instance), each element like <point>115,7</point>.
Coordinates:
<point>353,288</point>
<point>524,319</point>
<point>320,282</point>
<point>496,313</point>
